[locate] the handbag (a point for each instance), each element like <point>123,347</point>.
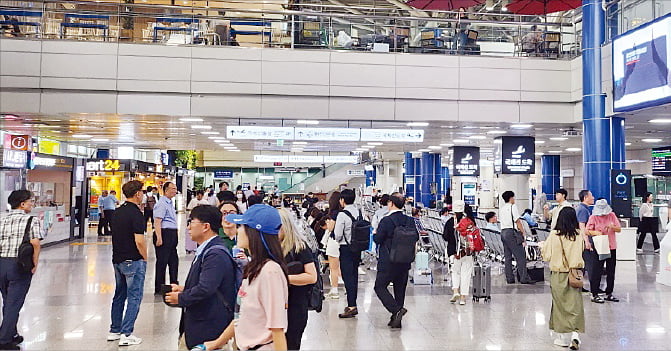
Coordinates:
<point>26,250</point>
<point>575,277</point>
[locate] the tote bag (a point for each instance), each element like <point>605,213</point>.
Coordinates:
<point>602,246</point>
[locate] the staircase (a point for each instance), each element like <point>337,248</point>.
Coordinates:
<point>336,174</point>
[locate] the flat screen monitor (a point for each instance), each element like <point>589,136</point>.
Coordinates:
<point>641,66</point>
<point>661,161</point>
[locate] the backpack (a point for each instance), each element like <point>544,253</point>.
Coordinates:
<point>403,243</point>
<point>360,233</point>
<point>473,236</point>
<point>237,274</point>
<point>26,250</point>
<point>316,293</point>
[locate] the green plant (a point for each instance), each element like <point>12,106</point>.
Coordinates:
<point>186,159</point>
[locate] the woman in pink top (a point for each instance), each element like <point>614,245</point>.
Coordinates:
<point>603,221</point>
<point>260,320</point>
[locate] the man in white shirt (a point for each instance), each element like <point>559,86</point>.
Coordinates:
<point>560,196</point>
<point>513,240</point>
<point>379,214</point>
<point>197,201</point>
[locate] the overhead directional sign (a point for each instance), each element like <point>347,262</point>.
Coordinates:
<point>325,134</point>
<point>404,135</point>
<point>305,159</point>
<point>253,132</point>
<point>328,134</point>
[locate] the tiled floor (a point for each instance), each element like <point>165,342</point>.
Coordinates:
<point>68,309</point>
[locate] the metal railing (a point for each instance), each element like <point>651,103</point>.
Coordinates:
<point>305,26</point>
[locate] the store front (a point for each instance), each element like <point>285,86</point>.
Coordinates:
<point>54,184</point>
<point>12,174</point>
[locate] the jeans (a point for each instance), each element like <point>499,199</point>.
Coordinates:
<point>396,273</point>
<point>597,271</point>
<point>104,224</point>
<point>14,285</point>
<point>129,287</point>
<point>349,267</point>
<point>297,317</point>
<point>166,256</point>
<point>512,248</point>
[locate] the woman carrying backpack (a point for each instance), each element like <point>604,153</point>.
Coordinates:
<point>261,320</point>
<point>302,273</point>
<point>468,242</point>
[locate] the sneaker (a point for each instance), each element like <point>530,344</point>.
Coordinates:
<point>611,298</point>
<point>395,322</point>
<point>454,298</point>
<point>639,251</point>
<point>598,299</point>
<point>575,341</point>
<point>462,301</point>
<point>113,336</point>
<point>17,339</point>
<point>334,295</point>
<point>561,342</point>
<point>349,313</point>
<point>129,340</point>
<point>657,251</point>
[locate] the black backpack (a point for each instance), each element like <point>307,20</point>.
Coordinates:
<point>360,233</point>
<point>26,250</point>
<point>316,293</point>
<point>403,242</point>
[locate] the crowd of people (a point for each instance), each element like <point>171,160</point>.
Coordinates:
<point>257,272</point>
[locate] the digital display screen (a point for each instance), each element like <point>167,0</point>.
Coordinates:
<point>641,66</point>
<point>661,161</point>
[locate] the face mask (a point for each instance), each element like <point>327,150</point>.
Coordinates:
<point>239,196</point>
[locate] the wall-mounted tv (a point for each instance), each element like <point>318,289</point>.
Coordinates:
<point>641,66</point>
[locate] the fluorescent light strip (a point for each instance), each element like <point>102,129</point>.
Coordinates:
<point>521,126</point>
<point>417,124</point>
<point>307,121</point>
<point>210,133</point>
<point>200,126</point>
<point>558,138</point>
<point>651,140</point>
<point>191,119</point>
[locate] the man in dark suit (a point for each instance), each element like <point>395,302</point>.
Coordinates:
<point>209,295</point>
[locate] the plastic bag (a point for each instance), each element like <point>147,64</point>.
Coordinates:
<point>344,40</point>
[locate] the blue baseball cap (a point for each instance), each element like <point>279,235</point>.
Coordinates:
<point>261,217</point>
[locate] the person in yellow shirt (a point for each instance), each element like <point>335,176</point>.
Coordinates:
<point>563,250</point>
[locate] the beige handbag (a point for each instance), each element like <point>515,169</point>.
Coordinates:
<point>575,277</point>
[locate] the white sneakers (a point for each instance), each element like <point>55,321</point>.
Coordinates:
<point>575,341</point>
<point>570,340</point>
<point>454,298</point>
<point>129,340</point>
<point>113,336</point>
<point>639,251</point>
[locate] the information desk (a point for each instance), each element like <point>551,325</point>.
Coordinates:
<point>55,223</point>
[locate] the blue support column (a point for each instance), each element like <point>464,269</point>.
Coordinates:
<point>427,165</point>
<point>618,150</point>
<point>599,141</point>
<point>550,167</point>
<point>409,175</point>
<point>445,181</point>
<point>437,175</point>
<point>418,179</point>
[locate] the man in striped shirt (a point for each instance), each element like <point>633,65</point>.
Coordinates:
<point>14,281</point>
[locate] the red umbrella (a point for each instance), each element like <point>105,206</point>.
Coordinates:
<point>443,5</point>
<point>542,7</point>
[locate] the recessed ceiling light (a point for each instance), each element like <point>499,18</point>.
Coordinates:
<point>236,150</point>
<point>574,149</point>
<point>660,120</point>
<point>627,144</point>
<point>423,150</point>
<point>230,147</point>
<point>435,147</point>
<point>558,138</point>
<point>460,141</point>
<point>447,144</point>
<point>81,136</point>
<point>539,153</point>
<point>417,124</point>
<point>497,132</point>
<point>300,142</point>
<point>651,140</point>
<point>307,121</point>
<point>368,146</point>
<point>555,151</point>
<point>479,137</point>
<point>210,133</point>
<point>216,138</point>
<point>201,126</point>
<point>360,149</point>
<point>539,141</point>
<point>100,139</point>
<point>521,126</point>
<point>375,144</point>
<point>191,119</point>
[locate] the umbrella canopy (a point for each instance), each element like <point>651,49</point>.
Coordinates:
<point>542,7</point>
<point>444,5</point>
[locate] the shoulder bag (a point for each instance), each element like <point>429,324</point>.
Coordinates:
<point>575,277</point>
<point>26,250</point>
<point>519,237</point>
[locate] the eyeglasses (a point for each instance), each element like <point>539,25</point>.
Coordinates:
<point>189,221</point>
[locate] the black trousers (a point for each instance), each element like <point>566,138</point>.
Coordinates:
<point>512,249</point>
<point>166,256</point>
<point>391,273</point>
<point>297,316</point>
<point>104,224</point>
<point>149,216</point>
<point>14,285</point>
<point>648,225</point>
<point>597,272</point>
<point>349,267</point>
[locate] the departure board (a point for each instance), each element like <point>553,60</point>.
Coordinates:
<point>661,161</point>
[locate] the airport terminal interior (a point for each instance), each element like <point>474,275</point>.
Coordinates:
<point>297,109</point>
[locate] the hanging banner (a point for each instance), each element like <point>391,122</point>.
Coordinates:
<point>466,161</point>
<point>515,155</point>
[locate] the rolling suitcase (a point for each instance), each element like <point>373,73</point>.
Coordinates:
<point>189,245</point>
<point>482,281</point>
<point>421,274</point>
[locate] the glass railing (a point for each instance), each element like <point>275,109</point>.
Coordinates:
<point>275,23</point>
<point>625,15</point>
